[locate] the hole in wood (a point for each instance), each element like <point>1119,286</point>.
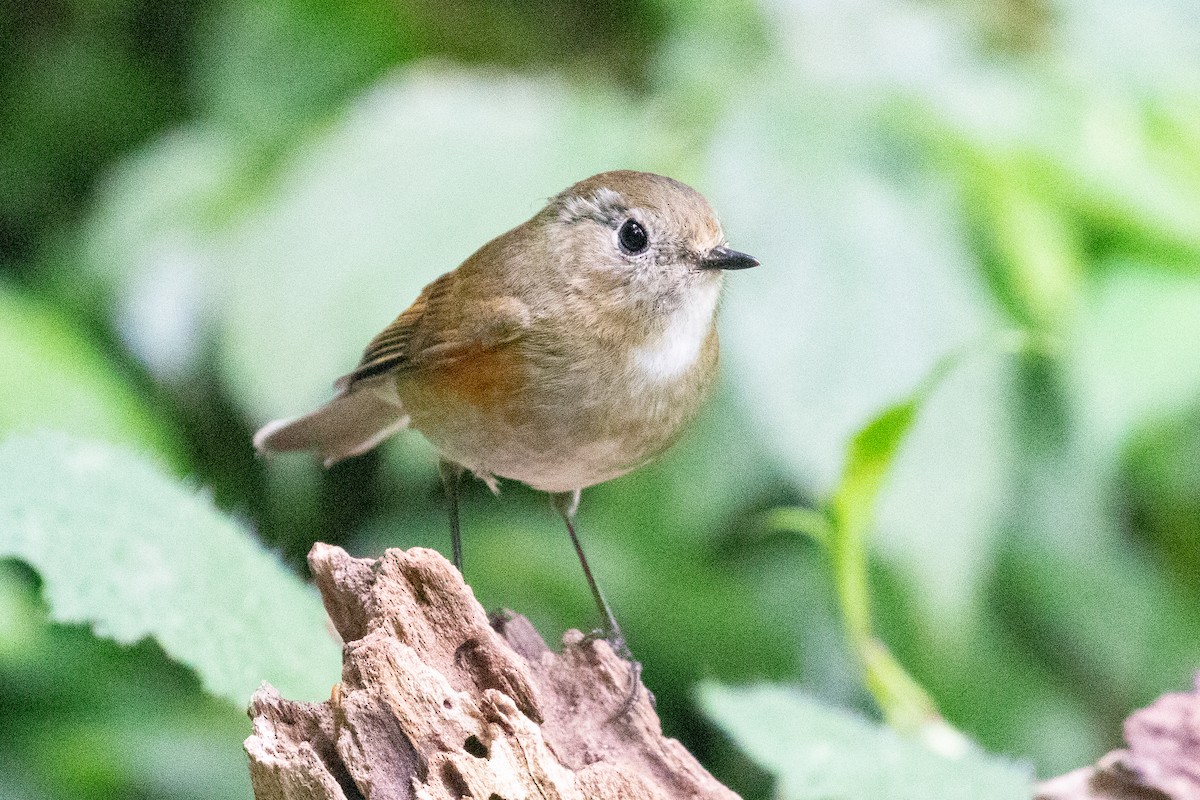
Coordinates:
<point>475,747</point>
<point>454,780</point>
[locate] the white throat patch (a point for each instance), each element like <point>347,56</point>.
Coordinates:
<point>670,354</point>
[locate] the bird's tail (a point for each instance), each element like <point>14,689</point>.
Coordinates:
<point>349,424</point>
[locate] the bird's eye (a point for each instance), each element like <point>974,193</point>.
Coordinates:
<point>632,237</point>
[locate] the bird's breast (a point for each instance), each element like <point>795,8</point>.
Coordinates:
<point>559,416</point>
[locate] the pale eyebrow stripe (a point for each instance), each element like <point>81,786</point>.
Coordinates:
<point>604,206</point>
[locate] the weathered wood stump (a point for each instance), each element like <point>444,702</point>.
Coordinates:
<point>437,702</point>
<point>1160,762</point>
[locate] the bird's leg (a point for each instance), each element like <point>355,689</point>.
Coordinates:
<point>451,473</point>
<point>566,503</point>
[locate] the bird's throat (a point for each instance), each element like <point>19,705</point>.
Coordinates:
<point>673,348</point>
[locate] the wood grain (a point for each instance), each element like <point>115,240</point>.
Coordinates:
<point>439,702</point>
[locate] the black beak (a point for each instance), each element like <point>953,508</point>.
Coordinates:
<point>724,258</point>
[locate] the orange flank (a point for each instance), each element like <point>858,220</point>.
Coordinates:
<point>487,378</point>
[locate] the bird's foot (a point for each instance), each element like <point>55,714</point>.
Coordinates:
<point>615,639</point>
<point>617,642</point>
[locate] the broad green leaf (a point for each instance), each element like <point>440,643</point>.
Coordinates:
<point>55,377</point>
<point>817,752</point>
<point>136,720</point>
<point>125,548</point>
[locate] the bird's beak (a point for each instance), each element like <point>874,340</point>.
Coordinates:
<point>724,258</point>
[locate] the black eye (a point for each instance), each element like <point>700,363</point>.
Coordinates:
<point>632,237</point>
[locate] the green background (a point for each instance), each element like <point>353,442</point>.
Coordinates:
<point>206,210</point>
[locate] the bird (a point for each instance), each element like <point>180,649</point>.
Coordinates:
<point>564,353</point>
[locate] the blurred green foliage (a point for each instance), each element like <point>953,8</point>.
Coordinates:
<point>819,752</point>
<point>207,208</point>
<point>122,547</point>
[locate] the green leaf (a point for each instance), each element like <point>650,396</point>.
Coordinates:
<point>803,521</point>
<point>869,461</point>
<point>55,377</point>
<point>1032,248</point>
<point>128,550</point>
<point>871,453</point>
<point>817,752</point>
<point>852,509</point>
<point>875,450</point>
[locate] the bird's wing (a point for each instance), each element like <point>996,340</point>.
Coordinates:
<point>441,327</point>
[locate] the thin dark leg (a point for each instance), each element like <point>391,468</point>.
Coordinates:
<point>450,479</point>
<point>566,503</point>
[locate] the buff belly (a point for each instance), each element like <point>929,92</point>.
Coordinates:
<point>552,440</point>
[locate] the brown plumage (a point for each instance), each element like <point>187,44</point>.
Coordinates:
<point>563,353</point>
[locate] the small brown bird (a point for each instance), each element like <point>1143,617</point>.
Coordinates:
<point>564,353</point>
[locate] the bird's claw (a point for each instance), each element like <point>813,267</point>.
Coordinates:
<point>617,642</point>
